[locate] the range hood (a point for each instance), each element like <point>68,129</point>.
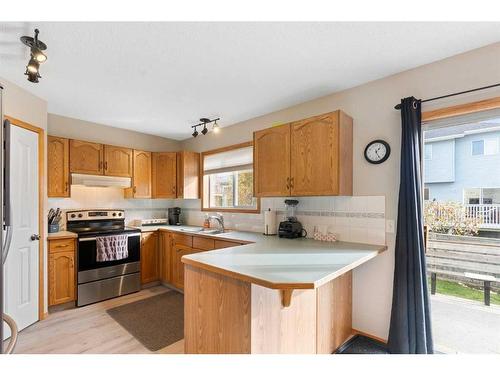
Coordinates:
<point>101,181</point>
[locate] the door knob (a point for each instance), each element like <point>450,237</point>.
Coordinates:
<point>35,237</point>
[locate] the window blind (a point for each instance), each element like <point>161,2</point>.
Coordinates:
<point>228,161</point>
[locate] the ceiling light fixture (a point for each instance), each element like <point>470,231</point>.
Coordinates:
<point>205,122</point>
<point>36,56</point>
<point>215,127</point>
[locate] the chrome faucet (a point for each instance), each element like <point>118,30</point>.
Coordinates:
<point>220,219</point>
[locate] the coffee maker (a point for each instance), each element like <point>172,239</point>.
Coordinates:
<point>174,214</point>
<point>291,227</point>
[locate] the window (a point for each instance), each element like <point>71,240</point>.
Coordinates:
<point>428,152</point>
<point>227,182</point>
<point>478,147</point>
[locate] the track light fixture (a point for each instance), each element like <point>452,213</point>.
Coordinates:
<point>204,122</point>
<point>36,56</point>
<point>215,127</point>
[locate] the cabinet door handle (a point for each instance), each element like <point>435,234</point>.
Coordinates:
<point>66,186</point>
<point>292,182</point>
<point>106,165</point>
<point>288,183</point>
<point>135,189</point>
<point>100,165</point>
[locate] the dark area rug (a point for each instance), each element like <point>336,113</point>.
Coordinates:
<point>362,345</point>
<point>155,321</point>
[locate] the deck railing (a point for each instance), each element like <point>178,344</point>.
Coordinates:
<point>488,213</point>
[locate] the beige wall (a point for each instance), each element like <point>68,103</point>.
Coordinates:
<point>372,107</point>
<point>89,131</point>
<point>22,105</point>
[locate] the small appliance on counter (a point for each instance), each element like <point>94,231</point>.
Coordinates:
<point>151,222</point>
<point>174,214</point>
<point>291,227</point>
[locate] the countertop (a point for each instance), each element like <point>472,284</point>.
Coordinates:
<point>270,261</point>
<point>61,235</point>
<point>280,263</point>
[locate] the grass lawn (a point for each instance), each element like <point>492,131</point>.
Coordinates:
<point>455,289</point>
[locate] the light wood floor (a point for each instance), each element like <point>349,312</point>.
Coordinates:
<point>88,329</point>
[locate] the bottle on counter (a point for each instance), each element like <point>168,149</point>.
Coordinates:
<point>206,222</point>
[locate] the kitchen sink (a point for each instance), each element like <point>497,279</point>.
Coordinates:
<point>201,230</point>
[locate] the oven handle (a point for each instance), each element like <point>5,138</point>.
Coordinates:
<point>95,238</point>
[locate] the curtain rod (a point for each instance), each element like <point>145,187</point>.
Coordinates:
<point>454,94</point>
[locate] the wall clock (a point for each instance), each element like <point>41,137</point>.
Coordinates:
<point>378,151</point>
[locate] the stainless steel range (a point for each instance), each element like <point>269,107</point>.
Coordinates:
<point>98,281</point>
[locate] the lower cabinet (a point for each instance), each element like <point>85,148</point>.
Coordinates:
<point>178,251</point>
<point>150,265</point>
<point>62,275</point>
<point>166,257</point>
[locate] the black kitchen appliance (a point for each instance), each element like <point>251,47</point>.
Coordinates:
<point>291,227</point>
<point>98,281</point>
<point>174,214</point>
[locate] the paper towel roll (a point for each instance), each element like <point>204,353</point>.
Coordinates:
<point>270,222</point>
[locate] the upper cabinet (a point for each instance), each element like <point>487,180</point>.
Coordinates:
<point>118,161</point>
<point>141,180</point>
<point>58,167</point>
<point>310,157</point>
<point>164,174</point>
<point>272,161</point>
<point>86,157</point>
<point>188,175</point>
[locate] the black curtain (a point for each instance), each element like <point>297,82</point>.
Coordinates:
<point>410,327</point>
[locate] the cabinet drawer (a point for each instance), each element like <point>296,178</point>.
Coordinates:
<point>67,244</point>
<point>203,243</point>
<point>182,239</point>
<point>220,244</point>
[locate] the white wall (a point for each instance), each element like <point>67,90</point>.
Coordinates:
<point>372,108</point>
<point>22,105</point>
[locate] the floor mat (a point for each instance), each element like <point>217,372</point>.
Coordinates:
<point>362,345</point>
<point>155,321</point>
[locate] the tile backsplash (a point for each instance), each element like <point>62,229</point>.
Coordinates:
<point>356,219</point>
<point>84,197</point>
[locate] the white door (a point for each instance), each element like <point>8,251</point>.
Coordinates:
<point>21,267</point>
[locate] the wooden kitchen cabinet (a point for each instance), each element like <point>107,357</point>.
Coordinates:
<point>62,274</point>
<point>321,155</point>
<point>310,157</point>
<point>141,180</point>
<point>58,184</point>
<point>272,161</point>
<point>165,257</point>
<point>188,170</point>
<point>178,251</point>
<point>86,157</point>
<point>164,169</point>
<point>118,161</point>
<point>149,257</point>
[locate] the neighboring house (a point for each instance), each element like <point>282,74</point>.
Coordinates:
<point>462,163</point>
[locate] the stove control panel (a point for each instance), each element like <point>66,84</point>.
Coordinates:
<point>95,215</point>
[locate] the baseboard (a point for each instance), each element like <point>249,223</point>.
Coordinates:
<point>373,337</point>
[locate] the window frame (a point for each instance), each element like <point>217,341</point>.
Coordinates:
<point>472,147</point>
<point>202,181</point>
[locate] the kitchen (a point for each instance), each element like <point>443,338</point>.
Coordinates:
<point>274,233</point>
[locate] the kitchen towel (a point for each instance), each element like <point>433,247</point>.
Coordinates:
<point>111,248</point>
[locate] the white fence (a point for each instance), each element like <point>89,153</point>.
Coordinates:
<point>488,213</point>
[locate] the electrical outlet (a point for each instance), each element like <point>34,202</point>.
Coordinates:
<point>389,226</point>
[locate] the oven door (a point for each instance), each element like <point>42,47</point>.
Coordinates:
<point>87,254</point>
